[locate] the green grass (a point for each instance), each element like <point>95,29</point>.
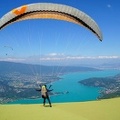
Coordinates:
<point>108,109</point>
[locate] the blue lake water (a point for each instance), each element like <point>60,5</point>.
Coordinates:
<point>77,91</point>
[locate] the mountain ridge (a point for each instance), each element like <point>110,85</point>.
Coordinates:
<point>28,68</point>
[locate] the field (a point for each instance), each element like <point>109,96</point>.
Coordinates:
<point>108,109</point>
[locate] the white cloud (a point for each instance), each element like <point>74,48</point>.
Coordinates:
<point>54,57</point>
<point>52,54</point>
<point>108,57</point>
<point>108,5</point>
<point>55,54</point>
<point>13,59</point>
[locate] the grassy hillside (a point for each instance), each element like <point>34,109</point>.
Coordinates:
<point>94,110</point>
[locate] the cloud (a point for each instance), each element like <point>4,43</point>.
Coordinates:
<point>13,59</point>
<point>108,5</point>
<point>58,57</point>
<point>55,54</point>
<point>108,57</point>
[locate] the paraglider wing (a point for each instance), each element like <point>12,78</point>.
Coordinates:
<point>8,47</point>
<point>51,11</point>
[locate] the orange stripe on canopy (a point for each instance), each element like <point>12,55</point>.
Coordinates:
<point>20,11</point>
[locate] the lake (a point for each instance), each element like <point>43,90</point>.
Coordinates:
<point>76,91</point>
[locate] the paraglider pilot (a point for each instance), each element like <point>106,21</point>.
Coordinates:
<point>44,94</point>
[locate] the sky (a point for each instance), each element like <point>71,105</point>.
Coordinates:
<point>58,42</point>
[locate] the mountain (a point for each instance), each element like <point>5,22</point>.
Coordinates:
<point>7,67</point>
<point>110,86</point>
